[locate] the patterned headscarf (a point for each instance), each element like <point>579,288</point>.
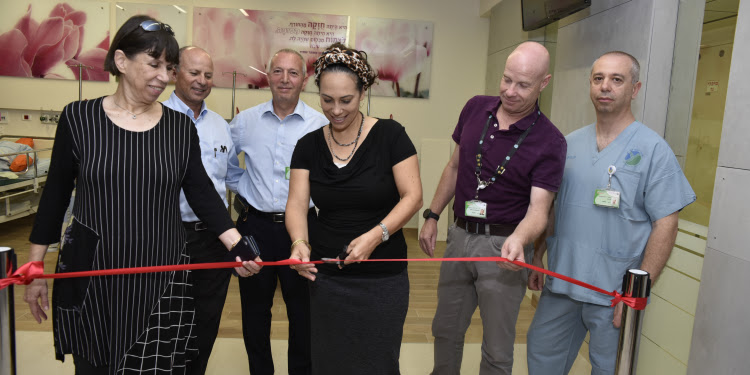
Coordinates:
<point>353,59</point>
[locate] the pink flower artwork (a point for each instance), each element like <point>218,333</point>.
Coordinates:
<point>400,51</point>
<point>46,49</point>
<point>174,15</point>
<point>243,41</point>
<point>236,44</point>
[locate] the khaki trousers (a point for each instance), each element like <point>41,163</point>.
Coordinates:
<point>465,285</point>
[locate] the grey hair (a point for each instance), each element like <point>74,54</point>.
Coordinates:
<point>288,50</point>
<point>635,67</point>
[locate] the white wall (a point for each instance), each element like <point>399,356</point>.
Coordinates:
<point>458,65</point>
<point>485,6</point>
<point>643,28</point>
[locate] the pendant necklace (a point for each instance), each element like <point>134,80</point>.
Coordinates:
<point>131,113</point>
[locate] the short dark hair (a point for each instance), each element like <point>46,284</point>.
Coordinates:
<point>635,67</point>
<point>132,39</point>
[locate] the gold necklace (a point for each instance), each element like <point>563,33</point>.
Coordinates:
<point>133,114</point>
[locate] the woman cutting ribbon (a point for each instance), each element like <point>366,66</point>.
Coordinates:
<point>362,173</point>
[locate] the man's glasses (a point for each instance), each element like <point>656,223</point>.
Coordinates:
<point>150,25</point>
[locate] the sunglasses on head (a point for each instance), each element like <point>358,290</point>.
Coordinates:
<point>151,25</point>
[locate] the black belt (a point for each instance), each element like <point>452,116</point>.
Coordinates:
<point>195,225</point>
<point>241,205</point>
<point>479,228</point>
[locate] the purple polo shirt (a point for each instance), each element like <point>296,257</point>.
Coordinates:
<point>539,161</point>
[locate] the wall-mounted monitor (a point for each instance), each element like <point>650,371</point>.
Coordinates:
<point>539,13</point>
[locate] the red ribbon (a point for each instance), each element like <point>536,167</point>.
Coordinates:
<point>24,275</point>
<point>35,270</point>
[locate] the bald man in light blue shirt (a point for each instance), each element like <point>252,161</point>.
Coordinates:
<point>267,134</point>
<point>193,81</point>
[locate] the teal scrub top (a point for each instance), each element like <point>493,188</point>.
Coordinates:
<point>598,245</point>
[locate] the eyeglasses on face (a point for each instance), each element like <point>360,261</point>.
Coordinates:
<point>151,25</point>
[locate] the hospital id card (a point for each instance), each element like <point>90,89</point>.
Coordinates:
<point>607,198</point>
<point>476,208</point>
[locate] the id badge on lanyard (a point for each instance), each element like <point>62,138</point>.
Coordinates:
<point>607,197</point>
<point>476,208</point>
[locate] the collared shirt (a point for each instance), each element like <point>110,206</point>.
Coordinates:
<point>268,143</point>
<point>538,161</point>
<point>217,149</point>
<point>598,245</point>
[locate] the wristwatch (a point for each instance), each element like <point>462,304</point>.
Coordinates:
<point>386,235</point>
<point>428,214</point>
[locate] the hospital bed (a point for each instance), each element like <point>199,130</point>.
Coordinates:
<point>20,191</point>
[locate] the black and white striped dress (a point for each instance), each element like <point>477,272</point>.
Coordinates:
<point>127,214</point>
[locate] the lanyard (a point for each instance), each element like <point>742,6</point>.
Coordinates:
<point>501,168</point>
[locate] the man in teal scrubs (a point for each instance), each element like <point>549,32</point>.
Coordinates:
<point>616,209</point>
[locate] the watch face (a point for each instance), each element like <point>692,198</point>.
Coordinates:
<point>426,213</point>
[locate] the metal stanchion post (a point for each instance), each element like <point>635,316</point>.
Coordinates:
<point>636,283</point>
<point>7,316</point>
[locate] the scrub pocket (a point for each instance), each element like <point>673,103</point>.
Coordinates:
<point>627,182</point>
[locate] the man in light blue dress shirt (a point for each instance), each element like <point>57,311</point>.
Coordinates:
<point>617,209</point>
<point>194,78</point>
<point>267,134</point>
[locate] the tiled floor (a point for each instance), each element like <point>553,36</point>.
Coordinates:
<point>36,354</point>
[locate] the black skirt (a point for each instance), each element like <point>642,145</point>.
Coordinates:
<point>357,323</point>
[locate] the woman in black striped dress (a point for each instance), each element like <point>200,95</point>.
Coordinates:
<point>128,158</point>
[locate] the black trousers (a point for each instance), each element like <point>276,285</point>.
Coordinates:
<point>209,293</point>
<point>256,294</point>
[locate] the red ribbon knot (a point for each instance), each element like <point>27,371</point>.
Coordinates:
<point>24,275</point>
<point>637,303</point>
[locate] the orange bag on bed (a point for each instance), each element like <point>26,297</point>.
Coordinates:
<point>19,163</point>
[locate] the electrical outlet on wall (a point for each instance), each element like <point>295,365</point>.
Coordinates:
<point>50,118</point>
<point>3,117</point>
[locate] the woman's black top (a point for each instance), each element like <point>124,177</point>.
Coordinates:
<point>355,198</point>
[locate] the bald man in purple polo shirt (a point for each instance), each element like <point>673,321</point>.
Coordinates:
<point>507,166</point>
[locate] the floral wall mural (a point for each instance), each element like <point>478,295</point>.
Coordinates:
<point>243,40</point>
<point>173,15</point>
<point>400,50</point>
<point>45,39</point>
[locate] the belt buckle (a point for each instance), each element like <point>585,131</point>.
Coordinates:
<point>472,227</point>
<point>277,218</point>
<point>199,226</point>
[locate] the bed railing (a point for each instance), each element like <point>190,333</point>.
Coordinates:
<point>27,185</point>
